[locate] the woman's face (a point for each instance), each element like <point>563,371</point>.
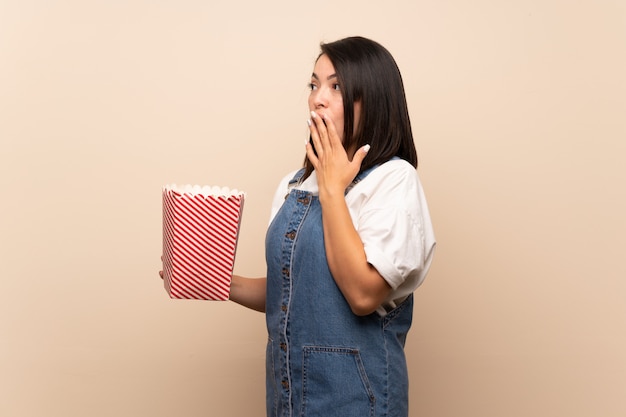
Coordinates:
<point>325,97</point>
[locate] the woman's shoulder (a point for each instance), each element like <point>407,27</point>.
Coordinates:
<point>390,183</point>
<point>396,171</point>
<point>399,165</point>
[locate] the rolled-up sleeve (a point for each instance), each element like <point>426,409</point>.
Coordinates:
<point>393,223</point>
<point>393,244</point>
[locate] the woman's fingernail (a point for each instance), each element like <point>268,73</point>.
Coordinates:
<point>313,114</point>
<point>308,121</point>
<point>366,148</point>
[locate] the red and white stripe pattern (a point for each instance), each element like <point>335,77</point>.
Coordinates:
<point>199,242</point>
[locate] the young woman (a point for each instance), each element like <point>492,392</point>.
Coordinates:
<point>349,241</point>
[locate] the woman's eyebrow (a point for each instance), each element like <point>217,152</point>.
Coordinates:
<point>331,76</point>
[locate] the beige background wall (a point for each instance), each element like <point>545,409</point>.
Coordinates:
<point>519,112</point>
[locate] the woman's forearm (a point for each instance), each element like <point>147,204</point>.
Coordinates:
<point>361,284</point>
<point>248,292</point>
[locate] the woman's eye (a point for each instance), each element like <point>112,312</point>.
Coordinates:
<point>312,86</point>
<point>336,87</point>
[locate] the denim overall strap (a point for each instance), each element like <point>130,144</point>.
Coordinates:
<point>322,360</point>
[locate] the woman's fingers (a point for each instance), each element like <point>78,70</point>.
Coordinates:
<point>331,132</point>
<point>310,146</point>
<point>324,134</point>
<point>318,133</point>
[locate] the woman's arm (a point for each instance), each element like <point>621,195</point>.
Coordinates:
<point>364,288</point>
<point>360,283</point>
<point>248,292</point>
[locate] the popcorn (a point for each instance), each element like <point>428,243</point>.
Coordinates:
<point>200,232</point>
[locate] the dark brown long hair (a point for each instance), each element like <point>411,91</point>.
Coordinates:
<point>367,73</point>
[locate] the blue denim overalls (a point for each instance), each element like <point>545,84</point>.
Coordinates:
<point>322,359</point>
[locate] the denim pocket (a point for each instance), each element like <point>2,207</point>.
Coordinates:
<point>334,383</point>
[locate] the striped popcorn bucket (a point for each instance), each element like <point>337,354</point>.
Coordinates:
<point>200,231</point>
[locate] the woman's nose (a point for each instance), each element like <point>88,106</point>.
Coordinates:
<point>320,99</point>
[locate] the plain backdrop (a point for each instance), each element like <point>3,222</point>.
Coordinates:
<point>519,115</point>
